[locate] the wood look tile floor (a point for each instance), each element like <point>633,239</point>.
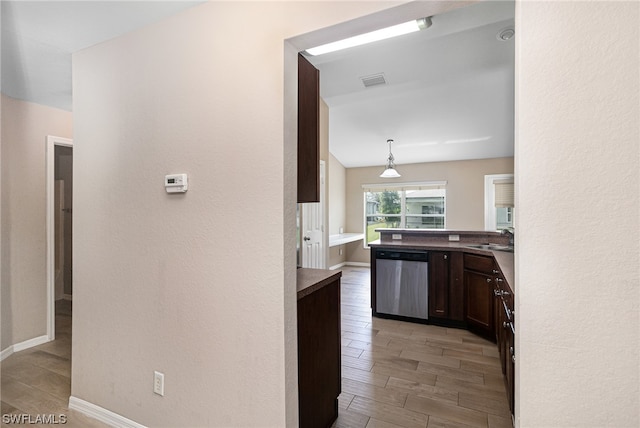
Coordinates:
<point>37,381</point>
<point>400,374</point>
<point>394,373</point>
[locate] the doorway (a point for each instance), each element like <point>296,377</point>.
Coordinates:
<point>59,230</point>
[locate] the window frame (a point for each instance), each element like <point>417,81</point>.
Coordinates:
<point>403,188</point>
<point>490,216</point>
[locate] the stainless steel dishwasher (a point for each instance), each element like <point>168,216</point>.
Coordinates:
<point>402,282</point>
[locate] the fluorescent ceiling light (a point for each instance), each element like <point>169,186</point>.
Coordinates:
<point>374,36</point>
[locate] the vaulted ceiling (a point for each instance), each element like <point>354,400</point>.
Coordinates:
<point>448,91</point>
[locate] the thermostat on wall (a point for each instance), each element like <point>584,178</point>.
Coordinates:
<point>176,183</point>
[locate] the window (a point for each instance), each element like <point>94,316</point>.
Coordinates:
<point>498,202</point>
<point>406,206</point>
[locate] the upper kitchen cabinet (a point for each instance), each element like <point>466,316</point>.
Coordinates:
<point>308,131</point>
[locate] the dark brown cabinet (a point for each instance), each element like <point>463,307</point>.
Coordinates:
<point>319,361</point>
<point>505,332</point>
<point>439,284</point>
<point>479,295</point>
<point>446,286</point>
<point>308,131</point>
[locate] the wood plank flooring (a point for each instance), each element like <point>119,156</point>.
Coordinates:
<point>399,374</point>
<point>37,381</point>
<point>394,374</point>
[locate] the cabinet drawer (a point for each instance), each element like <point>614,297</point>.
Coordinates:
<point>479,263</point>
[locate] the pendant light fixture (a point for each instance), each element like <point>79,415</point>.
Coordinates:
<point>390,171</point>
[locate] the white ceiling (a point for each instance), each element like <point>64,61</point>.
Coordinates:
<point>38,38</point>
<point>449,91</point>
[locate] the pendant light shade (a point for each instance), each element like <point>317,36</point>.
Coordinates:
<point>390,171</point>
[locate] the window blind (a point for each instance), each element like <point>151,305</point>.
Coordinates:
<point>504,193</point>
<point>382,187</point>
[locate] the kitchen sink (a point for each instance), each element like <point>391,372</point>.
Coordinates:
<point>493,247</point>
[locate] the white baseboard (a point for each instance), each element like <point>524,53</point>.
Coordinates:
<point>6,352</point>
<point>360,264</point>
<point>23,345</point>
<point>101,414</point>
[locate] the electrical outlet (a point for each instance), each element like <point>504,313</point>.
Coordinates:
<point>396,236</point>
<point>454,237</point>
<point>340,252</point>
<point>158,383</point>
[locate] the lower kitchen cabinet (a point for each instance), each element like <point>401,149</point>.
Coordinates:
<point>479,296</point>
<point>446,292</point>
<point>319,361</point>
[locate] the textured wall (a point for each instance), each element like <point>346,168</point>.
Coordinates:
<point>578,235</point>
<point>200,286</point>
<point>25,127</point>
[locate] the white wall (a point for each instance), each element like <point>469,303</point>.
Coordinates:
<point>177,97</point>
<point>578,237</point>
<point>25,127</point>
<point>337,187</point>
<point>196,285</point>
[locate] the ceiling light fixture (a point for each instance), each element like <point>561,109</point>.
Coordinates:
<point>390,171</point>
<point>373,36</point>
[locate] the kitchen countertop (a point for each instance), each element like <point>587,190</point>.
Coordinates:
<point>344,238</point>
<point>503,259</point>
<point>311,280</point>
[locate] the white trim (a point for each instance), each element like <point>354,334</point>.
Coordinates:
<point>30,343</point>
<point>103,415</point>
<point>361,264</point>
<point>6,352</point>
<point>358,264</point>
<point>51,142</point>
<point>490,199</point>
<point>338,266</point>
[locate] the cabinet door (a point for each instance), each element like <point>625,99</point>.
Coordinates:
<point>479,304</point>
<point>308,131</point>
<point>319,363</point>
<point>510,366</point>
<point>456,286</point>
<point>439,284</point>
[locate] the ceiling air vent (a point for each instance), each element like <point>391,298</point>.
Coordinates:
<point>373,80</point>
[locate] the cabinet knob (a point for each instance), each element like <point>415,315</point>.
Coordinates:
<point>498,279</point>
<point>495,271</point>
<point>445,256</point>
<point>511,350</point>
<point>513,359</point>
<point>496,293</point>
<point>488,279</point>
<point>505,324</point>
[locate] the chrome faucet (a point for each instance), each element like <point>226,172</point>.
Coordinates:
<point>510,232</point>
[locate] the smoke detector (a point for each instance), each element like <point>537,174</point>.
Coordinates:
<point>506,34</point>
